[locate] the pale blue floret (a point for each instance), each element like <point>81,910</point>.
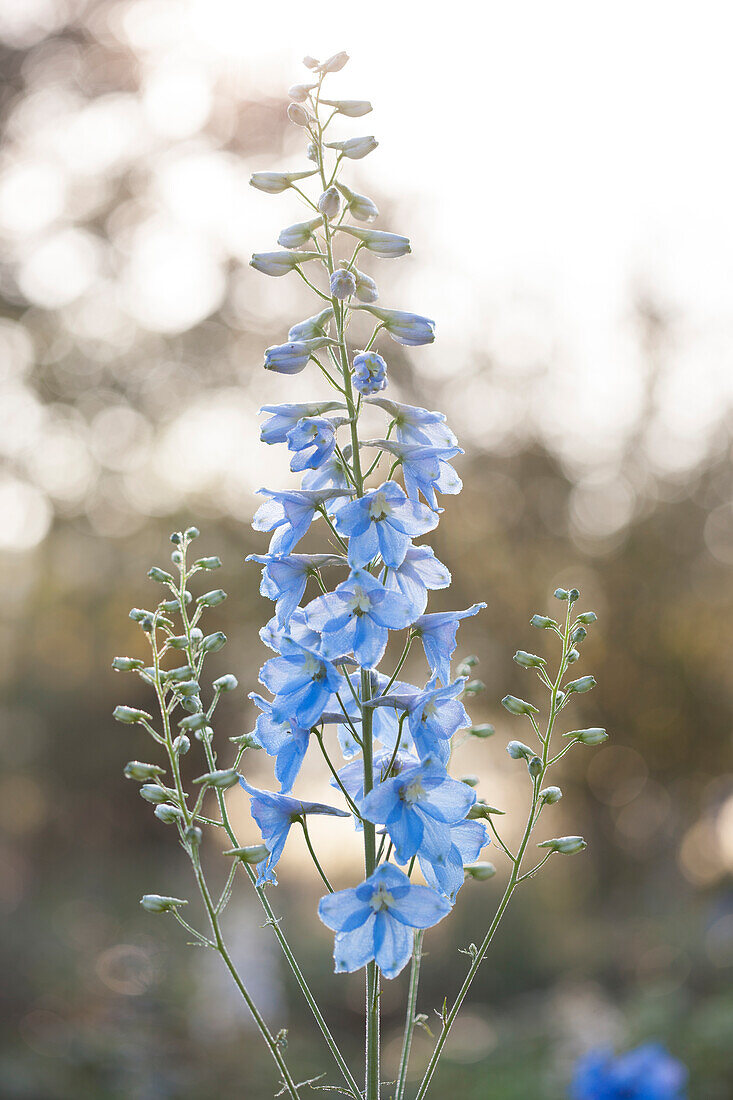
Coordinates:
<point>386,764</point>
<point>342,284</point>
<point>370,372</point>
<point>284,579</point>
<point>385,245</point>
<point>286,742</point>
<point>420,571</point>
<point>647,1073</point>
<point>302,682</point>
<point>275,814</point>
<point>278,637</point>
<point>290,514</point>
<point>438,635</point>
<point>376,920</point>
<point>414,424</point>
<point>434,716</point>
<point>425,468</point>
<point>312,441</point>
<point>357,617</point>
<point>410,329</point>
<point>331,475</point>
<point>417,809</point>
<point>383,522</point>
<point>284,417</point>
<point>446,874</point>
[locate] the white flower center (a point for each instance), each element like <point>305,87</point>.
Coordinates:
<point>359,602</point>
<point>378,507</point>
<point>412,792</point>
<point>429,711</point>
<point>381,898</point>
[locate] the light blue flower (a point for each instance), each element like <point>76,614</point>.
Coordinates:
<point>292,358</point>
<point>302,682</point>
<point>284,579</point>
<point>386,245</point>
<point>383,522</point>
<point>284,417</point>
<point>331,475</point>
<point>446,873</point>
<point>434,716</point>
<point>417,809</point>
<point>277,636</point>
<point>290,514</point>
<point>312,326</point>
<point>370,372</point>
<point>313,441</point>
<point>280,263</point>
<point>425,468</point>
<point>647,1073</point>
<point>438,635</point>
<point>275,814</point>
<point>420,571</point>
<point>357,617</point>
<point>386,765</point>
<point>410,329</point>
<point>416,425</point>
<point>376,920</point>
<point>342,283</point>
<point>288,743</point>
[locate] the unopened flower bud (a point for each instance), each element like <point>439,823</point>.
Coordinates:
<point>474,687</point>
<point>208,563</point>
<point>246,741</point>
<point>481,809</point>
<point>129,716</point>
<point>542,622</point>
<point>212,643</point>
<point>529,660</point>
<point>155,903</point>
<point>250,853</point>
<point>160,575</point>
<point>587,617</point>
<point>181,745</point>
<point>300,92</point>
<point>534,766</point>
<point>192,533</point>
<point>178,675</point>
<point>295,236</point>
<point>211,599</point>
<point>292,358</point>
<point>332,64</point>
<point>310,63</point>
<point>168,814</point>
<point>579,635</point>
<point>550,795</point>
<point>572,656</point>
<point>313,327</point>
<point>354,148</point>
<point>593,736</point>
<point>366,288</point>
<point>127,664</point>
<point>573,595</point>
<point>193,836</point>
<point>139,614</point>
<point>222,780</point>
<point>280,263</point>
<point>351,108</point>
<point>370,372</point>
<point>518,706</point>
<point>360,206</point>
<point>519,751</point>
<point>386,245</point>
<point>194,722</point>
<point>342,284</point>
<point>480,871</point>
<point>560,593</point>
<point>176,538</point>
<point>585,683</point>
<point>298,115</point>
<point>140,772</point>
<point>274,183</point>
<point>187,688</point>
<point>560,696</point>
<point>225,683</point>
<point>176,557</point>
<point>410,329</point>
<point>470,780</point>
<point>178,641</point>
<point>329,203</point>
<point>311,151</point>
<point>151,792</point>
<point>482,732</point>
<point>566,845</point>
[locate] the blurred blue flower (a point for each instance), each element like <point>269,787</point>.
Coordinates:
<point>376,920</point>
<point>312,441</point>
<point>384,522</point>
<point>290,514</point>
<point>426,469</point>
<point>284,579</point>
<point>417,808</point>
<point>274,814</point>
<point>419,572</point>
<point>446,873</point>
<point>647,1073</point>
<point>357,617</point>
<point>284,417</point>
<point>438,635</point>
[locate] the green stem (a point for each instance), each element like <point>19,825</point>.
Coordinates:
<point>314,857</point>
<point>409,1015</point>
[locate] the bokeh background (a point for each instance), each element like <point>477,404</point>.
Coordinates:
<point>564,172</point>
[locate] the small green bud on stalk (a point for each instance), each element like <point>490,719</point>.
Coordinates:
<point>300,92</point>
<point>566,845</point>
<point>193,836</point>
<point>560,593</point>
<point>519,751</point>
<point>480,871</point>
<point>518,706</point>
<point>467,664</point>
<point>155,903</point>
<point>481,809</point>
<point>593,736</point>
<point>573,656</point>
<point>251,853</point>
<point>223,779</point>
<point>129,716</point>
<point>207,563</point>
<point>474,687</point>
<point>191,704</point>
<point>246,740</point>
<point>482,732</point>
<point>139,614</point>
<point>141,772</point>
<point>534,767</point>
<point>187,688</point>
<point>587,617</point>
<point>178,675</point>
<point>560,696</point>
<point>550,795</point>
<point>176,538</point>
<point>127,664</point>
<point>579,635</point>
<point>585,683</point>
<point>194,722</point>
<point>192,533</point>
<point>542,622</point>
<point>178,641</point>
<point>160,575</point>
<point>225,683</point>
<point>329,204</point>
<point>151,792</point>
<point>211,599</point>
<point>181,744</point>
<point>212,643</point>
<point>470,780</point>
<point>529,660</point>
<point>573,595</point>
<point>168,814</point>
<point>176,557</point>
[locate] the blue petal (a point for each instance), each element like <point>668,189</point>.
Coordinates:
<point>392,944</point>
